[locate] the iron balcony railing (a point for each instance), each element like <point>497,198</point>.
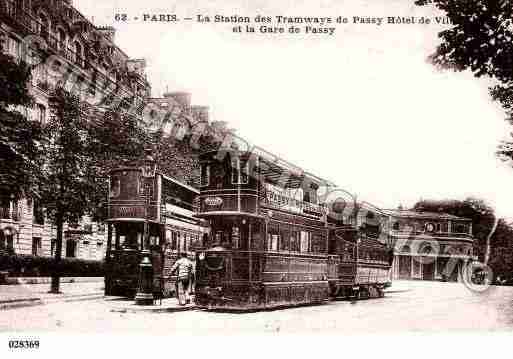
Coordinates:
<point>33,26</point>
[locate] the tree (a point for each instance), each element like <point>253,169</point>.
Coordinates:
<point>66,189</point>
<point>81,145</point>
<point>481,40</point>
<point>19,137</point>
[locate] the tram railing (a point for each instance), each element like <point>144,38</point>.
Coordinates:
<point>430,234</point>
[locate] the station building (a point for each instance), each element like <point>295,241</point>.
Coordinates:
<point>429,246</point>
<point>85,57</point>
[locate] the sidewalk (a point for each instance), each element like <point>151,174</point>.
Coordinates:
<point>22,295</point>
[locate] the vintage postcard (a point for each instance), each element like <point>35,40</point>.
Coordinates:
<point>219,168</point>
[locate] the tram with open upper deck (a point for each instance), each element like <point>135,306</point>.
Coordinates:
<point>360,263</point>
<point>271,243</point>
<point>158,206</point>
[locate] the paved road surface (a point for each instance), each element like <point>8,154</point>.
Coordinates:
<point>409,306</point>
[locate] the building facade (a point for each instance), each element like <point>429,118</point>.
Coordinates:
<point>64,49</point>
<point>429,246</point>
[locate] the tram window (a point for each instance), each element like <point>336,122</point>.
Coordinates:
<point>205,175</point>
<point>240,172</point>
<point>139,240</point>
<point>317,243</point>
<point>174,241</point>
<point>305,239</point>
<point>219,238</point>
<point>184,243</point>
<point>235,237</point>
<point>235,170</point>
<point>256,237</point>
<point>244,173</point>
<point>285,244</point>
<point>115,187</point>
<point>154,240</point>
<point>169,237</point>
<point>272,241</point>
<point>275,239</point>
<point>294,241</point>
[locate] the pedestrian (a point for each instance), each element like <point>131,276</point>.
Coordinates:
<point>184,268</point>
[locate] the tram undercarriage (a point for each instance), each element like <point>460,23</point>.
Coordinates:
<point>360,291</point>
<point>262,296</point>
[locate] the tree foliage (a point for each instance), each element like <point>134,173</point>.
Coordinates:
<point>481,40</point>
<point>67,159</point>
<point>19,137</point>
<point>114,137</point>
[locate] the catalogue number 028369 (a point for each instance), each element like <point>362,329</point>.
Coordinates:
<point>23,344</point>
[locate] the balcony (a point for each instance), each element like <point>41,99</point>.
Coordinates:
<point>278,201</point>
<point>28,24</point>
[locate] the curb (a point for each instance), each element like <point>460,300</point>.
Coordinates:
<point>77,298</point>
<point>31,302</point>
<point>20,303</point>
<point>155,309</point>
<point>47,280</point>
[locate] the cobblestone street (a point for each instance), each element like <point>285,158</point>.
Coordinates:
<point>408,306</point>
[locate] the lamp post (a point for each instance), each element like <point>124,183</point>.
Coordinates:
<point>144,294</point>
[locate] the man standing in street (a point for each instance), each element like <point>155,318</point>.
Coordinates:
<point>184,267</point>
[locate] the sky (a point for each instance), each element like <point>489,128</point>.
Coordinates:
<point>361,107</point>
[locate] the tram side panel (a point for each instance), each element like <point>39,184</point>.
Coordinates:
<point>361,266</point>
<point>276,280</point>
<point>294,279</point>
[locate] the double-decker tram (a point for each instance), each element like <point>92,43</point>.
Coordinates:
<point>158,206</point>
<point>272,243</point>
<point>268,245</point>
<point>360,261</point>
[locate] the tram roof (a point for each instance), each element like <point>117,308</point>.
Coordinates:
<point>164,176</point>
<point>277,169</point>
<point>406,213</point>
<point>170,179</point>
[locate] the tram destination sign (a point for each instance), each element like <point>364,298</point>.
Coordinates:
<point>132,211</point>
<point>213,201</point>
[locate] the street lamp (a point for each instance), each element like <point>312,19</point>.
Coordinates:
<point>144,294</point>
